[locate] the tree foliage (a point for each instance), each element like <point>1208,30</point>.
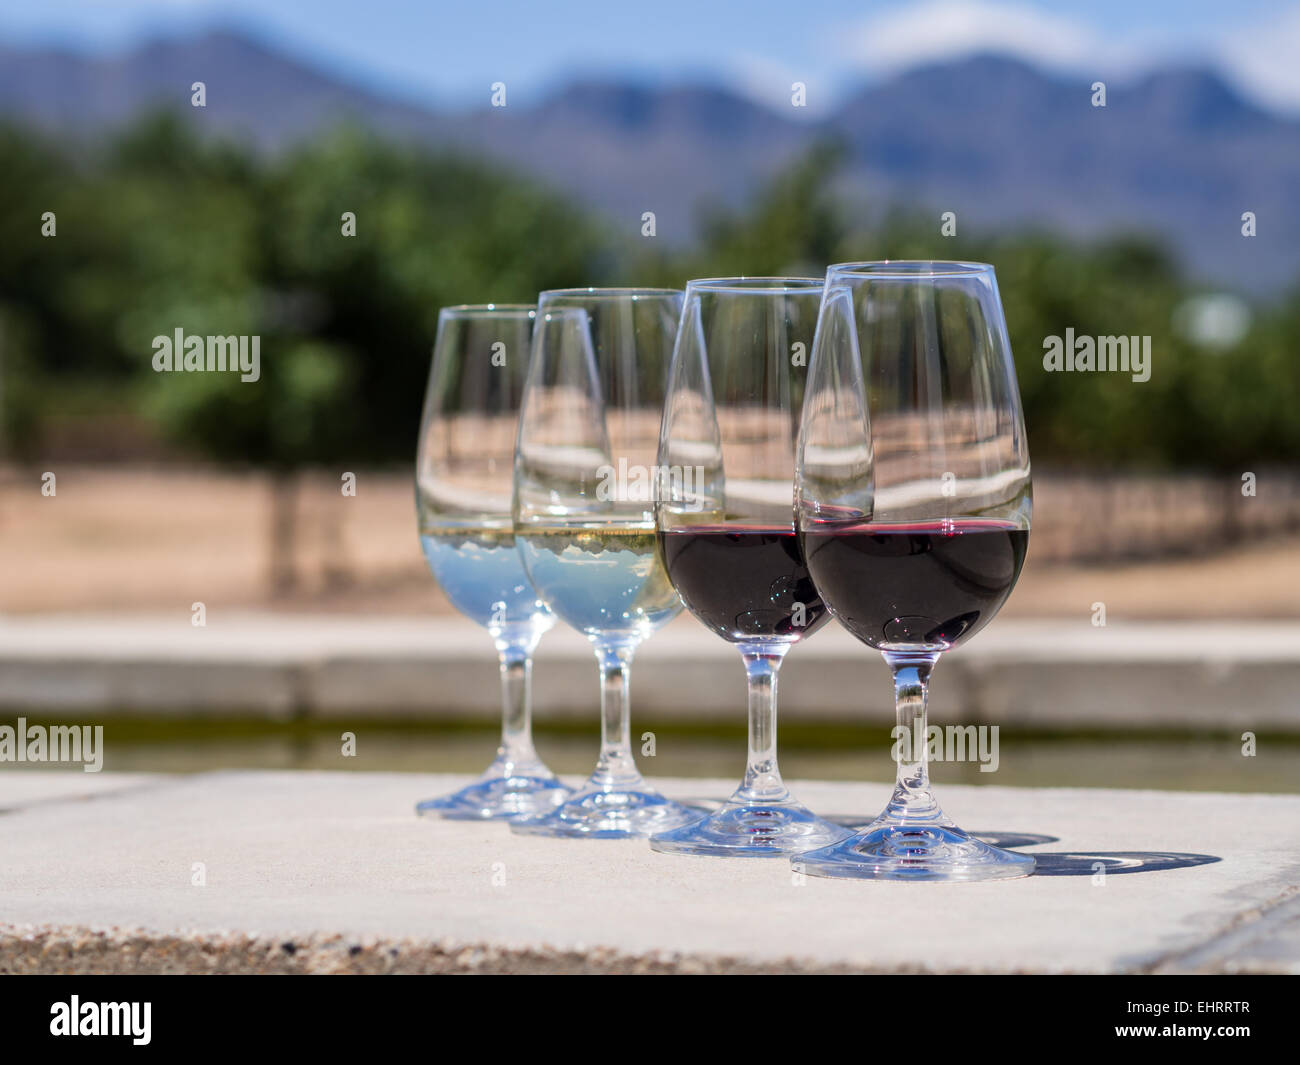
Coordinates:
<point>158,230</point>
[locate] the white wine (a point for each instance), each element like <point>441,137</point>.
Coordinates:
<point>604,580</point>
<point>482,574</point>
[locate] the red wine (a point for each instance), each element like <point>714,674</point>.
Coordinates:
<point>744,582</point>
<point>934,583</point>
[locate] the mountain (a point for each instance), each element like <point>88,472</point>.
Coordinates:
<point>252,90</point>
<point>1178,154</point>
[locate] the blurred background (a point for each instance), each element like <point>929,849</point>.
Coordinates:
<point>486,155</point>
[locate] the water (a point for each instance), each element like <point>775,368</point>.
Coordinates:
<point>481,572</point>
<point>810,750</point>
<point>604,580</point>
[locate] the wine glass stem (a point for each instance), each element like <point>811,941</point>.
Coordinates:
<point>616,767</point>
<point>762,776</point>
<point>912,801</point>
<point>516,704</point>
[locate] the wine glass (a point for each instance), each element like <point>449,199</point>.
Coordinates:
<point>584,519</point>
<point>726,522</point>
<point>914,506</point>
<point>463,489</point>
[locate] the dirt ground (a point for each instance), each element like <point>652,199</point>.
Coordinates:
<point>114,538</point>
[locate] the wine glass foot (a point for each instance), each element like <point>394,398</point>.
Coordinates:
<point>752,830</point>
<point>525,793</point>
<point>918,851</point>
<point>610,813</point>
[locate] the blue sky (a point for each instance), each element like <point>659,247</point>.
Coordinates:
<point>448,53</point>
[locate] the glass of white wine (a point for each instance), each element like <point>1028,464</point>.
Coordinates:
<point>584,520</point>
<point>463,489</point>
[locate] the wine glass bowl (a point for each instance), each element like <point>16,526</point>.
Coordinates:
<point>914,506</point>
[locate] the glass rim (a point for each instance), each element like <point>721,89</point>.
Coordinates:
<point>775,285</point>
<point>910,269</point>
<point>596,293</point>
<point>487,310</point>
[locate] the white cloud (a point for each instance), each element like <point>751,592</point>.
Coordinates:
<point>940,30</point>
<point>1264,60</point>
<point>1259,58</point>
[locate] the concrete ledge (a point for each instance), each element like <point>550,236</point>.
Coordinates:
<point>328,872</point>
<point>1046,674</point>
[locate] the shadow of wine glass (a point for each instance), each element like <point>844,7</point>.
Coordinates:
<point>1052,863</point>
<point>1014,839</point>
<point>1111,863</point>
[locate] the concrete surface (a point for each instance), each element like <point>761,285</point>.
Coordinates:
<point>1044,674</point>
<point>331,872</point>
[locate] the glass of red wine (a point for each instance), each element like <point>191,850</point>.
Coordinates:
<point>724,511</point>
<point>914,500</point>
